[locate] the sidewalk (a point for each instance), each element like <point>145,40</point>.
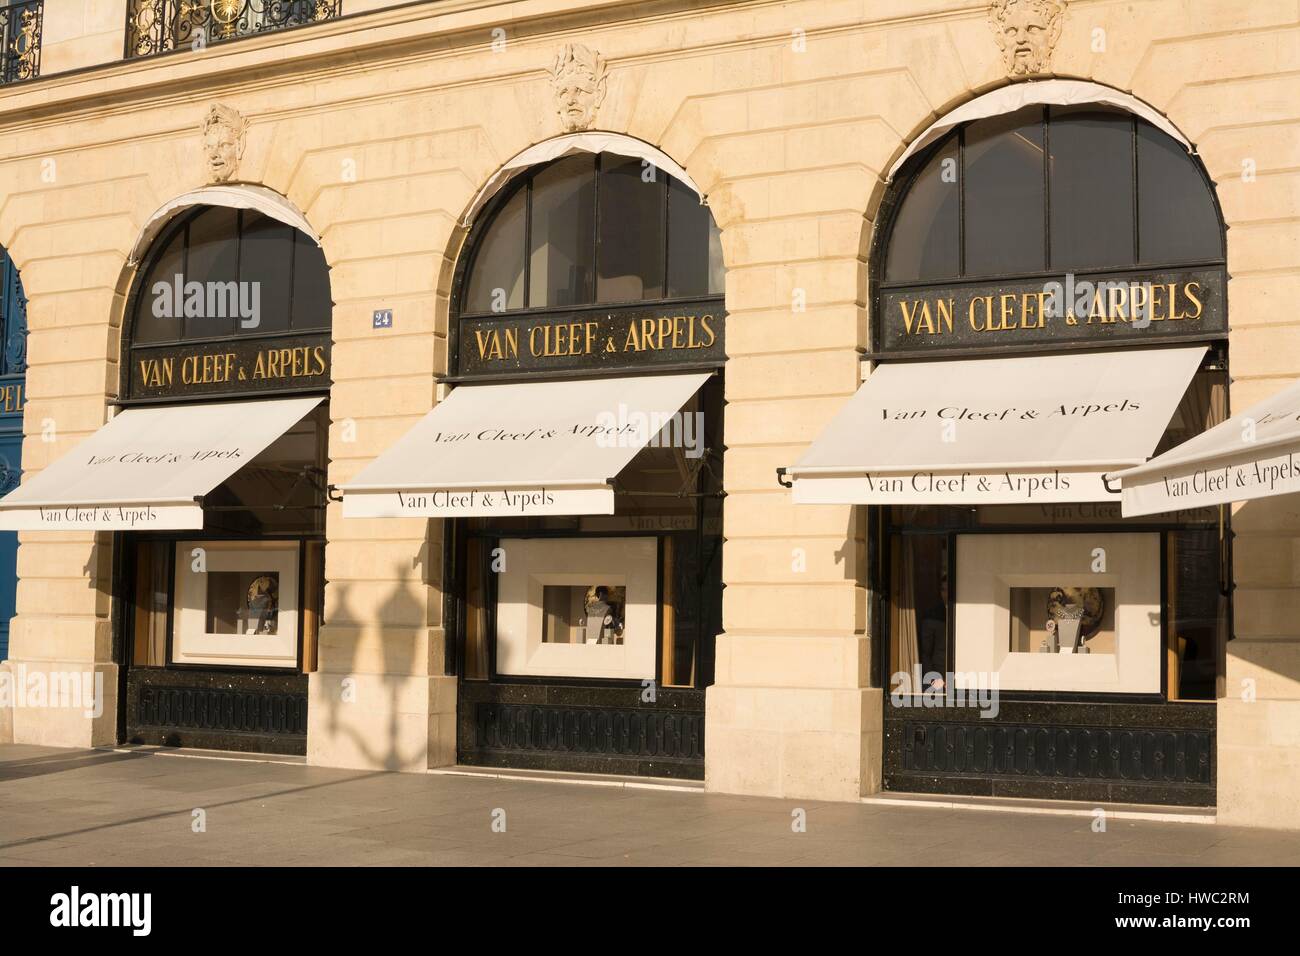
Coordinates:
<point>98,808</point>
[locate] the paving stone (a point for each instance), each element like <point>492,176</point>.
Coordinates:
<point>87,808</point>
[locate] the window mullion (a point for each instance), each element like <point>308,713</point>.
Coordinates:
<point>1047,189</point>
<point>595,228</point>
<point>528,242</point>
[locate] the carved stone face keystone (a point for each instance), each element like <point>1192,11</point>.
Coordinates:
<point>578,81</point>
<point>223,142</point>
<point>1027,31</point>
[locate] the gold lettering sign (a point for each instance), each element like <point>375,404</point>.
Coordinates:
<point>591,337</point>
<point>1012,312</point>
<point>12,398</point>
<point>235,367</point>
<point>1072,308</point>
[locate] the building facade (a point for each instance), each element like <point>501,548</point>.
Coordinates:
<point>394,155</point>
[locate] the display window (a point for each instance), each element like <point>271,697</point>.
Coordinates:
<point>1062,598</point>
<point>1058,612</point>
<point>584,608</point>
<point>634,596</point>
<point>236,605</point>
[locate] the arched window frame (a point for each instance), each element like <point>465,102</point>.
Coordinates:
<point>1209,394</point>
<point>159,245</point>
<point>482,227</point>
<point>916,165</point>
<point>317,331</point>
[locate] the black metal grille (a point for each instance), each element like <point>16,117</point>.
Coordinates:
<point>157,26</point>
<point>223,709</point>
<point>20,32</point>
<point>589,731</point>
<point>1169,756</point>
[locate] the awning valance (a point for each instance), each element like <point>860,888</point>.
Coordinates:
<point>523,449</point>
<point>1252,455</point>
<point>995,431</point>
<point>237,196</point>
<point>1015,96</point>
<point>148,468</point>
<point>572,144</point>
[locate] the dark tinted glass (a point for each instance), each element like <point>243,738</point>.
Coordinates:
<point>1004,194</point>
<point>573,260</point>
<point>499,262</point>
<point>265,262</point>
<point>1091,179</point>
<point>1176,216</point>
<point>213,261</point>
<point>924,243</point>
<point>694,245</point>
<point>280,490</point>
<point>312,304</point>
<point>228,251</point>
<point>630,249</point>
<point>158,290</point>
<point>562,243</point>
<point>717,268</point>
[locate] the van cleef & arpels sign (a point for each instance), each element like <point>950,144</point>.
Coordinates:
<point>1109,309</point>
<point>682,334</point>
<point>233,367</point>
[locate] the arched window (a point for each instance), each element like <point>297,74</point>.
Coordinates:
<point>1045,230</point>
<point>233,255</point>
<point>1050,189</point>
<point>591,230</point>
<point>229,320</point>
<point>589,267</point>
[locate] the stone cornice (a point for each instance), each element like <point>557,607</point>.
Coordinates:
<point>354,42</point>
<point>400,35</point>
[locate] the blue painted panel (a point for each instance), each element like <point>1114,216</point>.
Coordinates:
<point>13,369</point>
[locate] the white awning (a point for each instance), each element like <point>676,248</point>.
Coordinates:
<point>569,145</point>
<point>238,196</point>
<point>1008,99</point>
<point>1252,455</point>
<point>148,468</point>
<point>525,449</point>
<point>1036,429</point>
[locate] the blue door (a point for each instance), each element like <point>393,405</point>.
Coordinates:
<point>13,396</point>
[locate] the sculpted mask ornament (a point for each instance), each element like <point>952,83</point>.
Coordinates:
<point>223,142</point>
<point>1027,31</point>
<point>578,79</point>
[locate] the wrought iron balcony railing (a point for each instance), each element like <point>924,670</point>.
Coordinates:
<point>20,34</point>
<point>157,26</point>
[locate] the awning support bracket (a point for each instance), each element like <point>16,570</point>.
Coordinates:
<point>782,480</point>
<point>1105,481</point>
<point>693,472</point>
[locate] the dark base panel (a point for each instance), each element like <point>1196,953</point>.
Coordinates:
<point>212,710</point>
<point>581,729</point>
<point>1110,753</point>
